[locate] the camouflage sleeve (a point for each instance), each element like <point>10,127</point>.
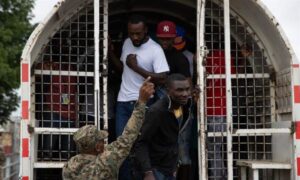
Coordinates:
<point>118,150</point>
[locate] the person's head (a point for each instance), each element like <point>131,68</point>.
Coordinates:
<point>90,140</point>
<point>165,33</point>
<point>179,41</point>
<point>178,89</point>
<point>137,30</point>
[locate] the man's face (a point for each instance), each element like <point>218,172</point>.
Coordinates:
<point>137,33</point>
<point>180,92</point>
<point>166,43</point>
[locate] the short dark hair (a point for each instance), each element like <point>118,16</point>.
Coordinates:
<point>135,19</point>
<point>174,77</point>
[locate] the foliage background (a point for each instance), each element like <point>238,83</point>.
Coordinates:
<point>15,27</point>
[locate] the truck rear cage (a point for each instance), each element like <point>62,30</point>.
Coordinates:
<point>246,107</point>
<point>251,93</point>
<point>64,85</point>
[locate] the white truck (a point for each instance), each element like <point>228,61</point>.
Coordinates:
<point>249,107</point>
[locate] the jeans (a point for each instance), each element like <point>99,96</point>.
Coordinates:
<point>123,113</point>
<point>160,176</point>
<point>184,143</point>
<point>216,159</point>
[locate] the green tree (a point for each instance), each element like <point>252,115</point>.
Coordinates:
<point>14,31</point>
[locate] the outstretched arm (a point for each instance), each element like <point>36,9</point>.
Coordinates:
<point>118,150</point>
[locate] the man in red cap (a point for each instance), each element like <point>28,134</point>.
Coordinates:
<point>166,33</point>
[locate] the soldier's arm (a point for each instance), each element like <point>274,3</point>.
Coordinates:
<point>118,150</point>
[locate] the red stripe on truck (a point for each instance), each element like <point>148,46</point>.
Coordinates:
<point>25,109</point>
<point>297,94</point>
<point>25,147</point>
<point>296,65</point>
<point>297,128</point>
<point>25,74</point>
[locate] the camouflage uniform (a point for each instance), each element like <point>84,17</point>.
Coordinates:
<point>105,165</point>
<point>2,161</point>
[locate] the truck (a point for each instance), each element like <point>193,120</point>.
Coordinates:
<point>249,77</point>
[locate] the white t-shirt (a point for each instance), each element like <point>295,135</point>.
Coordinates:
<point>150,57</point>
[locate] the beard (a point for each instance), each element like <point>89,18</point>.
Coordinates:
<point>139,43</point>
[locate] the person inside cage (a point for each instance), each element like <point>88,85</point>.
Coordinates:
<point>156,152</point>
<point>59,106</point>
<point>187,156</point>
<point>178,63</point>
<point>216,112</point>
<point>141,57</point>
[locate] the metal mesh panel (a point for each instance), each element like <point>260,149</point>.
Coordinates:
<point>251,86</point>
<point>64,84</point>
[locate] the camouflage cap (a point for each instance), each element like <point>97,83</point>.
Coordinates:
<point>87,136</point>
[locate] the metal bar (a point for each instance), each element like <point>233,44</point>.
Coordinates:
<point>252,132</point>
<point>63,73</point>
<point>263,131</point>
<point>239,76</point>
<point>255,174</point>
<point>55,130</point>
<point>96,63</point>
<point>49,165</point>
<point>105,65</point>
<point>228,88</point>
<point>200,80</point>
<point>243,173</point>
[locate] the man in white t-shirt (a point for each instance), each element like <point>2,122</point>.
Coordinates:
<point>141,57</point>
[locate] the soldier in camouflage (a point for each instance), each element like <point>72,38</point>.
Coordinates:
<point>97,162</point>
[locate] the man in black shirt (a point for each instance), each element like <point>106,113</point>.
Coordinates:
<point>166,33</point>
<point>156,150</point>
<point>178,63</point>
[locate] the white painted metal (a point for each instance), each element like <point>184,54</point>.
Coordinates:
<point>262,131</point>
<point>252,132</point>
<point>64,73</point>
<point>26,169</point>
<point>255,166</point>
<point>48,164</point>
<point>201,54</point>
<point>54,130</point>
<point>263,164</point>
<point>97,99</point>
<point>255,174</point>
<point>105,68</point>
<point>295,174</point>
<point>228,89</point>
<point>238,76</point>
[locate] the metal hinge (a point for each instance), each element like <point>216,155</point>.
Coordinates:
<point>204,51</point>
<point>293,127</point>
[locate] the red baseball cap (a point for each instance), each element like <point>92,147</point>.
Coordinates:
<point>166,29</point>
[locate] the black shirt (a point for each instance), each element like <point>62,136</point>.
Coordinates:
<point>178,63</point>
<point>157,145</point>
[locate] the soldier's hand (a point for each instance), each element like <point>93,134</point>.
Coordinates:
<point>146,90</point>
<point>131,61</point>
